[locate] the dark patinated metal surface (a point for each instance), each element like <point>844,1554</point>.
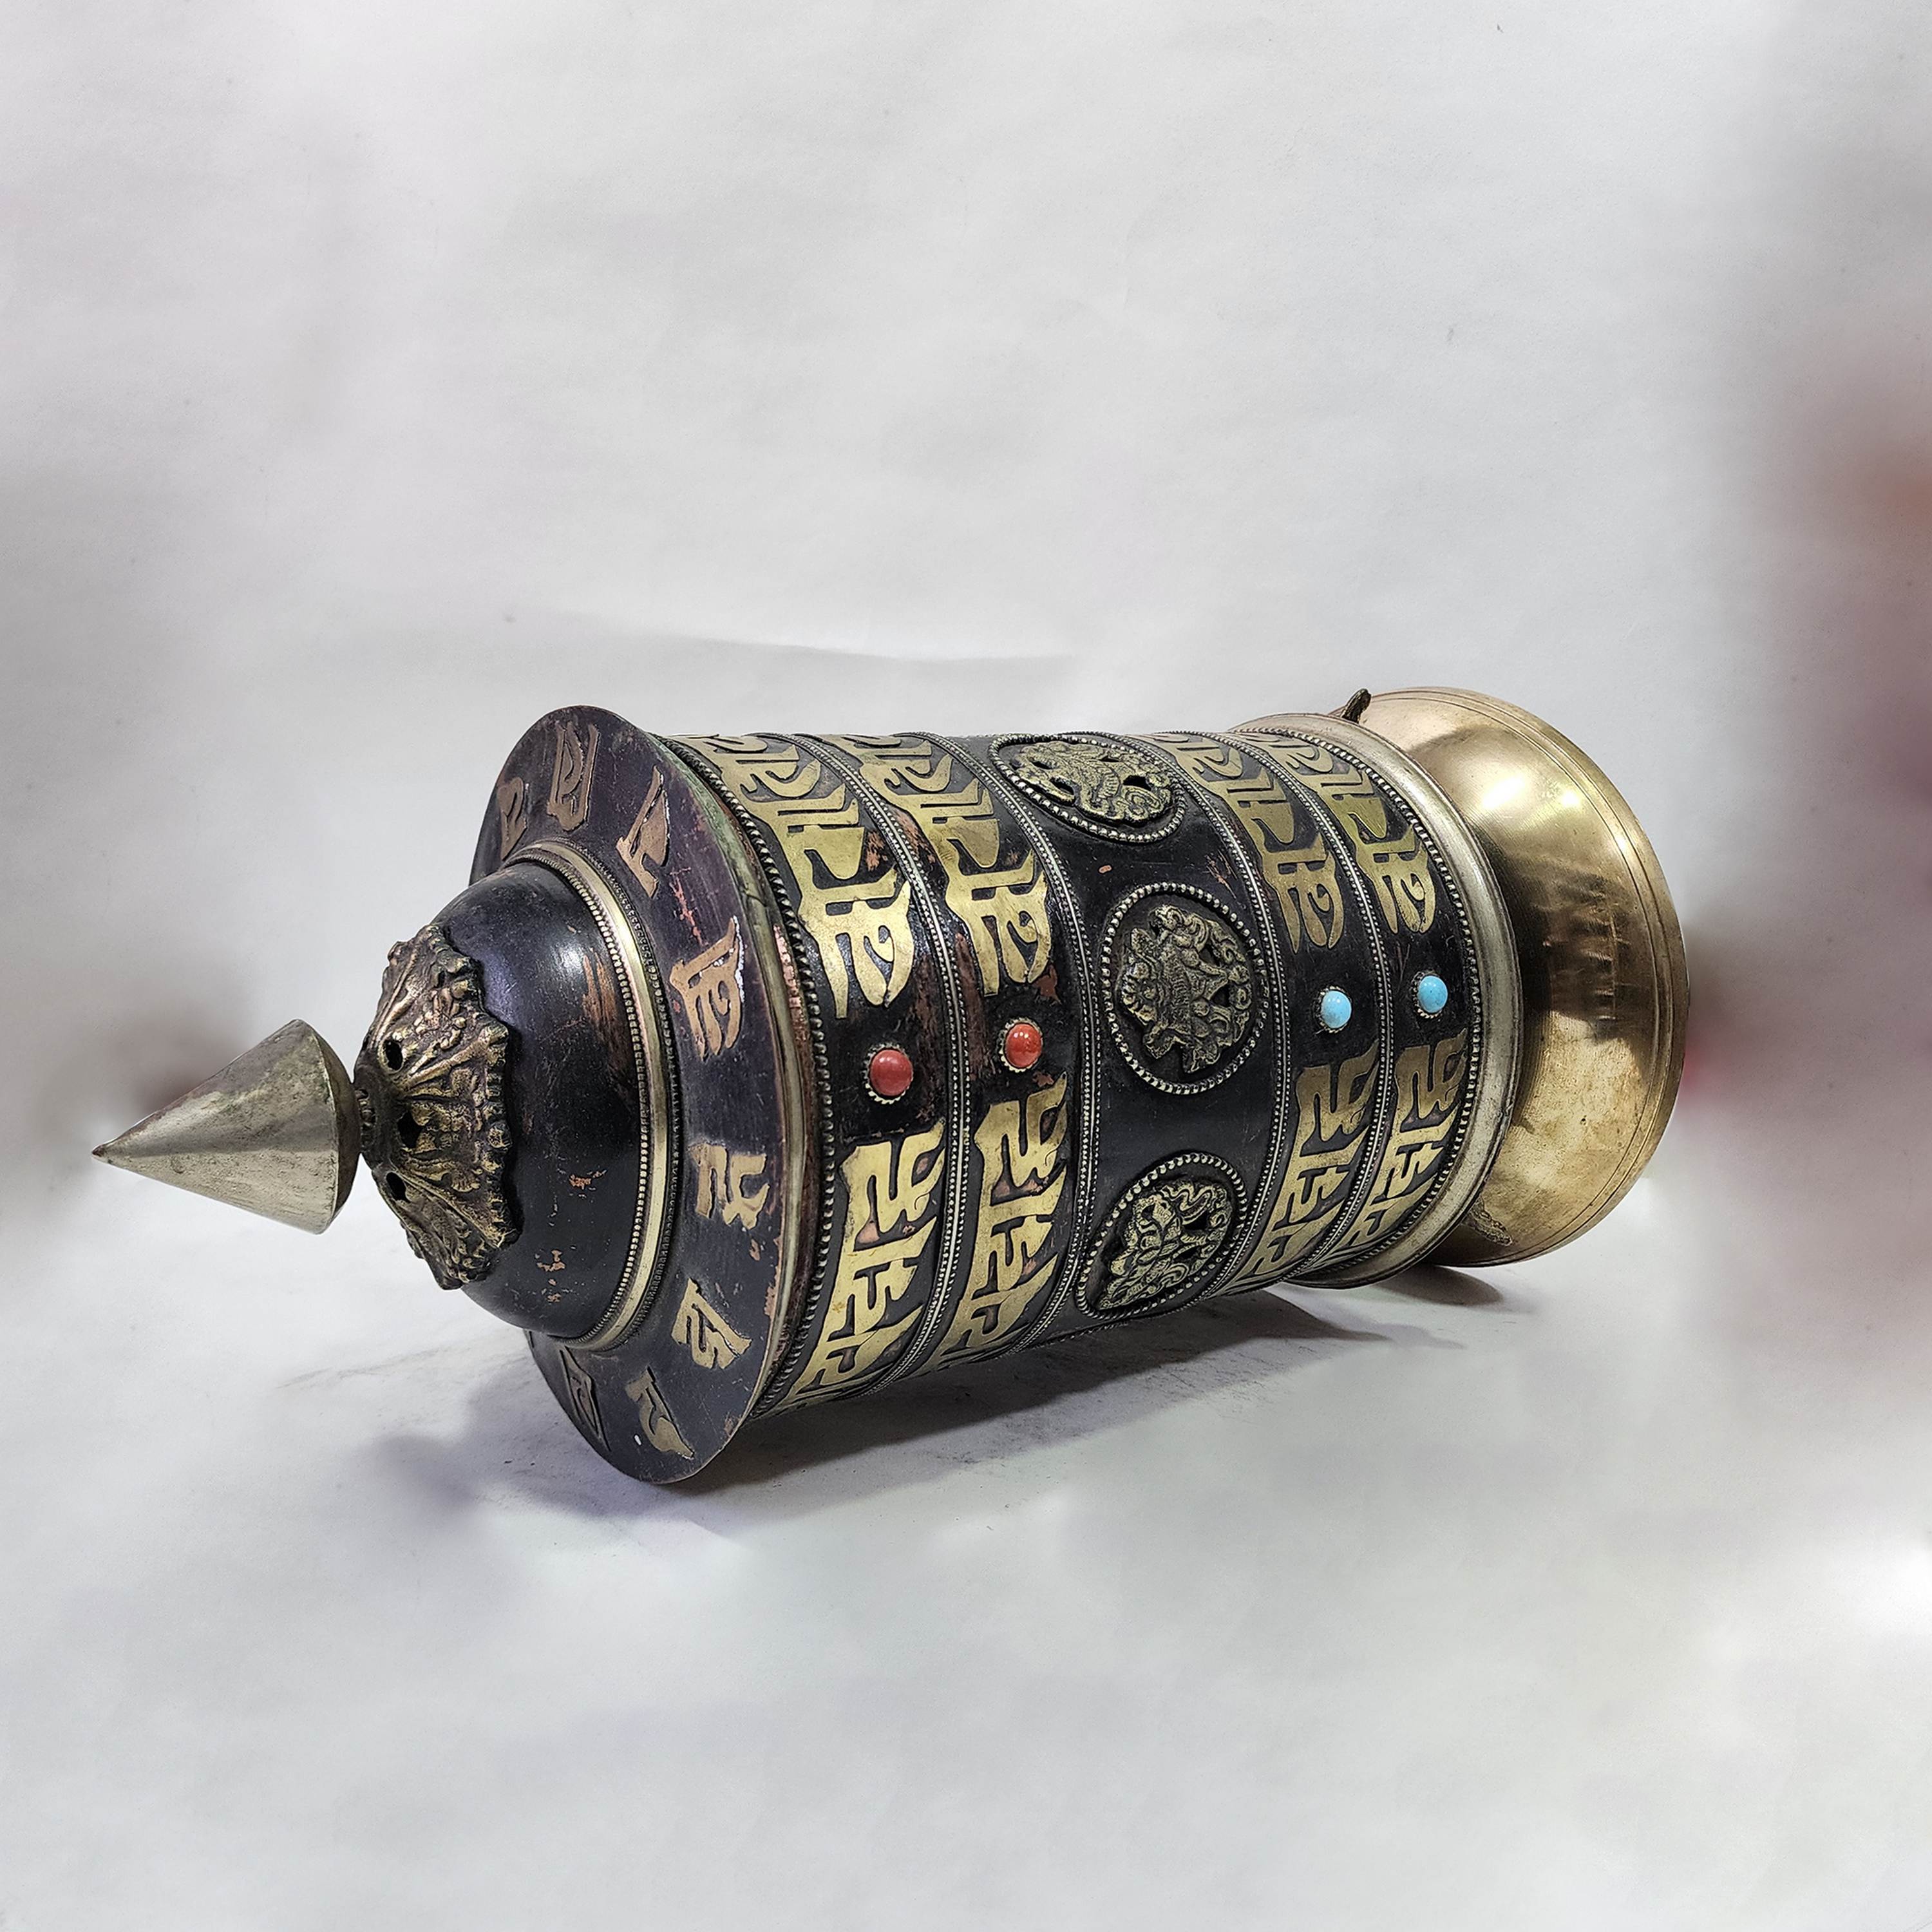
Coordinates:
<point>761,989</point>
<point>716,1281</point>
<point>750,1072</point>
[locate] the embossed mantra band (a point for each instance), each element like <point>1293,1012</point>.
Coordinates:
<point>753,1072</point>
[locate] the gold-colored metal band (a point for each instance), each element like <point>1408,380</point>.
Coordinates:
<point>643,1012</point>
<point>763,926</point>
<point>1605,989</point>
<point>1498,983</point>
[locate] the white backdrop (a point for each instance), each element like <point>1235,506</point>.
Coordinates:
<point>373,378</point>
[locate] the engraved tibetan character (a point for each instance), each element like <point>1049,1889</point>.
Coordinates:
<point>725,1176</point>
<point>1297,865</point>
<point>1332,1109</point>
<point>513,814</point>
<point>654,1417</point>
<point>1001,903</point>
<point>1389,849</point>
<point>865,938</point>
<point>851,899</point>
<point>1023,1151</point>
<point>1428,1096</point>
<point>642,848</point>
<point>709,990</point>
<point>1003,910</point>
<point>1304,882</point>
<point>713,1342</point>
<point>583,1393</point>
<point>892,1208</point>
<point>570,775</point>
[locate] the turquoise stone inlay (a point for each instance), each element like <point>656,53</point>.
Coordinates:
<point>1431,994</point>
<point>1334,1010</point>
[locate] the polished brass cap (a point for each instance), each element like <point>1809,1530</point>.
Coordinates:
<point>1605,990</point>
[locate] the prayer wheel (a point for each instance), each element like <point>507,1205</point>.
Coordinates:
<point>753,1072</point>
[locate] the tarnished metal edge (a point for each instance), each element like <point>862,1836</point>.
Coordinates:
<point>657,1125</point>
<point>791,1030</point>
<point>1664,935</point>
<point>1382,1111</point>
<point>1234,841</point>
<point>782,945</point>
<point>1479,900</point>
<point>1083,1007</point>
<point>949,1273</point>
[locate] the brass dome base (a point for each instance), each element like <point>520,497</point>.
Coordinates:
<point>1605,988</point>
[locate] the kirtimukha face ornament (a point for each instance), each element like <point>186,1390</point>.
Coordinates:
<point>749,1073</point>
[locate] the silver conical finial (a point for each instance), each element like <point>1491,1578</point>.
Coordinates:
<point>277,1131</point>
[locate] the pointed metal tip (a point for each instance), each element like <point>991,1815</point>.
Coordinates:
<point>115,1152</point>
<point>276,1131</point>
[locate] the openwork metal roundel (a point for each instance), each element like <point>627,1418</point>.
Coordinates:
<point>1186,994</point>
<point>429,1082</point>
<point>1167,1233</point>
<point>1118,791</point>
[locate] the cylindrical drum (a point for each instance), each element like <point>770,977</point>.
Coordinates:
<point>755,1072</point>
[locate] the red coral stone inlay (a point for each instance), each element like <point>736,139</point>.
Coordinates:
<point>1021,1044</point>
<point>889,1071</point>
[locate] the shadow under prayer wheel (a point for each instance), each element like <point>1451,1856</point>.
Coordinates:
<point>750,1072</point>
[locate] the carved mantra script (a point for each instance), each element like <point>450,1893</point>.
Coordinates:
<point>851,899</point>
<point>513,814</point>
<point>731,1186</point>
<point>1331,1121</point>
<point>701,1327</point>
<point>1022,1146</point>
<point>1428,1094</point>
<point>891,1207</point>
<point>654,1418</point>
<point>1293,858</point>
<point>583,1393</point>
<point>571,769</point>
<point>709,990</point>
<point>644,846</point>
<point>1390,851</point>
<point>1000,899</point>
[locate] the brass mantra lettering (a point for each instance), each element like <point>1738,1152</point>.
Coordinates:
<point>660,1430</point>
<point>713,1342</point>
<point>724,1190</point>
<point>851,899</point>
<point>892,1208</point>
<point>1300,871</point>
<point>1428,1095</point>
<point>1331,1119</point>
<point>583,1393</point>
<point>709,990</point>
<point>1023,1152</point>
<point>513,814</point>
<point>644,847</point>
<point>570,775</point>
<point>1002,907</point>
<point>1389,850</point>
